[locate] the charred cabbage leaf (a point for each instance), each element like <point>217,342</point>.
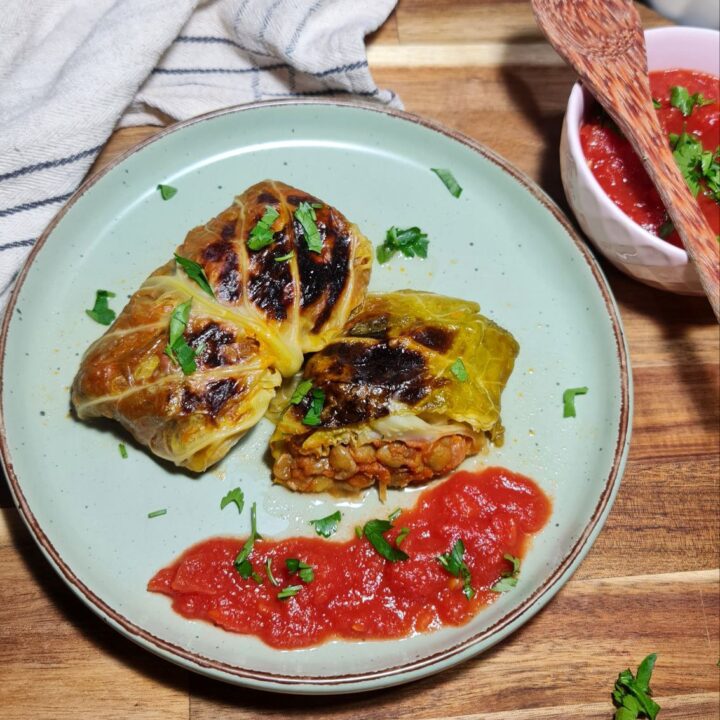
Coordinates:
<point>410,390</point>
<point>252,329</point>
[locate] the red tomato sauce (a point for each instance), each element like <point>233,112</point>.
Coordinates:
<point>620,172</point>
<point>357,594</point>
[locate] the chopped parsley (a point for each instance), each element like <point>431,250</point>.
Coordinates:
<point>327,526</point>
<point>373,531</point>
<point>632,694</point>
<point>358,531</point>
<point>656,103</point>
<point>284,258</point>
<point>697,164</point>
<point>241,562</point>
<point>123,451</point>
<point>234,496</point>
<point>303,388</point>
<point>305,572</point>
<point>195,272</point>
<point>508,578</point>
<point>268,571</point>
<point>453,563</point>
<point>411,242</point>
<point>394,515</point>
<point>449,181</point>
<point>404,532</point>
<point>681,99</point>
<point>178,349</point>
<point>459,371</point>
<point>569,400</point>
<point>305,215</point>
<point>262,234</point>
<point>666,229</point>
<point>312,416</point>
<point>101,312</point>
<point>289,591</point>
<point>167,191</point>
<point>157,513</point>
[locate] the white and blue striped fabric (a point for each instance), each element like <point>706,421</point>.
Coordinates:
<point>71,71</point>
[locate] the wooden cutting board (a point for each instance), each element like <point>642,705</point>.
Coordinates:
<point>650,583</point>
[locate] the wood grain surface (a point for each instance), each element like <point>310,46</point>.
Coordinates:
<point>651,581</point>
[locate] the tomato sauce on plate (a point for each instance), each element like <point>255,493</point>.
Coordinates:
<point>618,169</point>
<point>356,593</point>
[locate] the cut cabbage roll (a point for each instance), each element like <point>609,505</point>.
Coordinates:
<point>189,367</point>
<point>411,389</point>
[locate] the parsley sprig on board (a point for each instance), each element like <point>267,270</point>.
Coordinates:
<point>632,694</point>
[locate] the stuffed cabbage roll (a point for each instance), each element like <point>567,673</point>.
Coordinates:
<point>411,389</point>
<point>197,354</point>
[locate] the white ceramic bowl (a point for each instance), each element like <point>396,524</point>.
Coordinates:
<point>628,246</point>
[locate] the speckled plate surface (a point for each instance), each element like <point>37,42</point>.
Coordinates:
<point>503,244</point>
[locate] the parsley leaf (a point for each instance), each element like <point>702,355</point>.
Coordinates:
<point>234,496</point>
<point>312,416</point>
<point>656,103</point>
<point>157,513</point>
<point>504,584</point>
<point>262,234</point>
<point>178,349</point>
<point>241,562</point>
<point>195,272</point>
<point>101,312</point>
<point>411,242</point>
<point>688,152</point>
<point>305,215</point>
<point>289,591</point>
<point>179,320</point>
<point>569,400</point>
<point>508,578</point>
<point>632,695</point>
<point>696,163</point>
<point>666,229</point>
<point>123,451</point>
<point>459,371</point>
<point>373,531</point>
<point>327,526</point>
<point>305,572</point>
<point>681,99</point>
<point>453,563</point>
<point>304,386</point>
<point>449,181</point>
<point>166,191</point>
<point>268,571</point>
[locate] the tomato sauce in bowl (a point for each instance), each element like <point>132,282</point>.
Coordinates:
<point>355,593</point>
<point>619,171</point>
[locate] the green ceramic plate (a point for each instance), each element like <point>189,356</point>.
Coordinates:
<point>503,244</point>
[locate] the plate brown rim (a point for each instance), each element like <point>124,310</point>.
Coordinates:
<point>530,606</point>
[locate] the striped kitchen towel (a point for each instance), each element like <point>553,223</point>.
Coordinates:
<point>71,71</point>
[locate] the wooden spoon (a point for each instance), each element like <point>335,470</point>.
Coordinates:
<point>604,42</point>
